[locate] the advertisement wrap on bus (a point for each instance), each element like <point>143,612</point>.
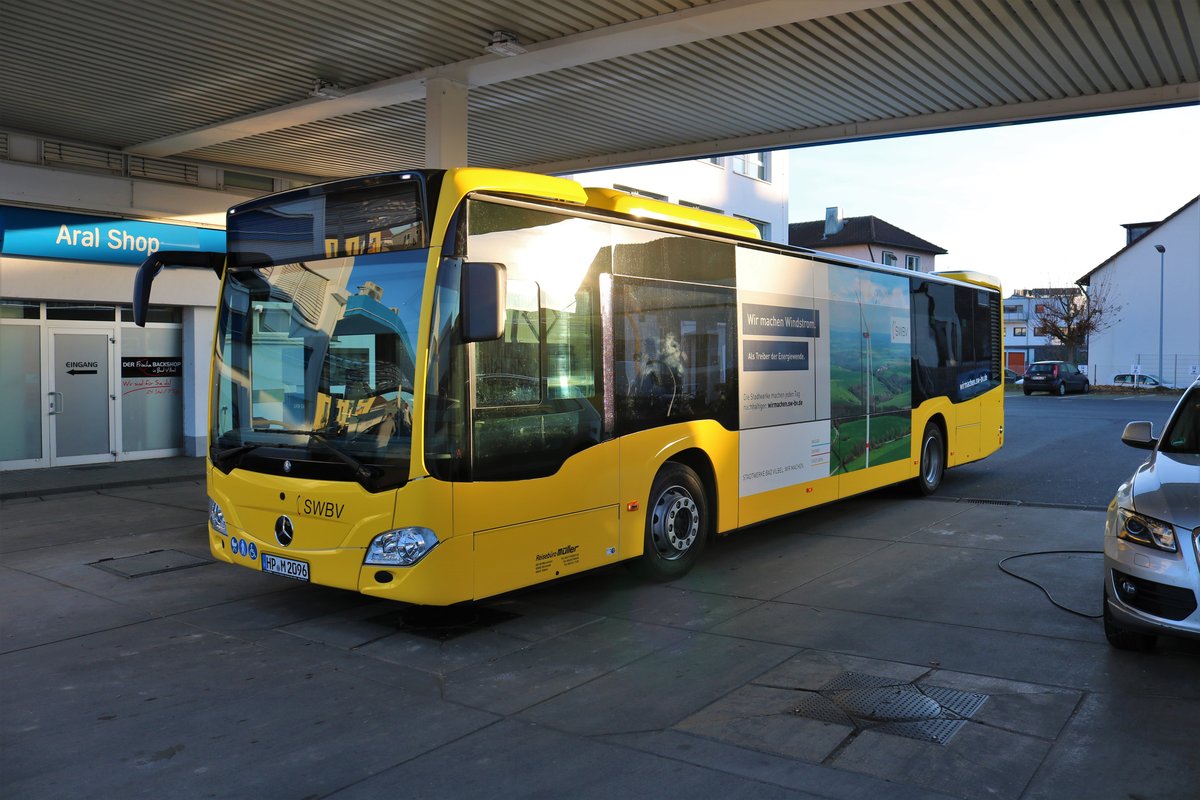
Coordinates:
<point>438,386</point>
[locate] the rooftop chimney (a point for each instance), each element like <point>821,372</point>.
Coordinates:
<point>833,221</point>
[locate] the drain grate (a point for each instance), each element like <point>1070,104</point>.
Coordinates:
<point>442,624</point>
<point>153,563</point>
<point>892,706</point>
<point>988,501</point>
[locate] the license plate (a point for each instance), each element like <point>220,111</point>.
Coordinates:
<point>287,567</point>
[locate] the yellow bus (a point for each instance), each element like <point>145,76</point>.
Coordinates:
<point>438,386</point>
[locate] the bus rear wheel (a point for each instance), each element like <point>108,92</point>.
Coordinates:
<point>678,523</point>
<point>933,460</point>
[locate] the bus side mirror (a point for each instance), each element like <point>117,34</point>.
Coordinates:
<point>154,264</point>
<point>484,300</point>
<point>142,282</point>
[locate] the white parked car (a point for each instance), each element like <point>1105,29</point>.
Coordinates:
<point>1143,380</point>
<point>1152,535</point>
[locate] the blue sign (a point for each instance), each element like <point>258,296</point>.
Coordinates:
<point>79,237</point>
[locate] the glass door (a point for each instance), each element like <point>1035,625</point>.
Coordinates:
<point>81,398</point>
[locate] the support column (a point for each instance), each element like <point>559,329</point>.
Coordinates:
<point>198,322</point>
<point>445,124</point>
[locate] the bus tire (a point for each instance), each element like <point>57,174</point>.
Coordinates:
<point>678,523</point>
<point>933,460</point>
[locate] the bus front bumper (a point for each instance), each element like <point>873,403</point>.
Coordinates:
<point>443,577</point>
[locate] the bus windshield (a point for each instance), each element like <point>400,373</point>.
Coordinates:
<point>318,356</point>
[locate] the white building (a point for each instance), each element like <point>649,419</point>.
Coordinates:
<point>751,186</point>
<point>79,382</point>
<point>1155,279</point>
<point>868,238</point>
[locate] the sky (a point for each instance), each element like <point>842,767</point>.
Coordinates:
<point>1037,204</point>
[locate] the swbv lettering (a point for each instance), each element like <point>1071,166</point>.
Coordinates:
<point>322,508</point>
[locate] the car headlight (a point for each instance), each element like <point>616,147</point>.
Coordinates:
<point>1135,527</point>
<point>216,517</point>
<point>400,548</point>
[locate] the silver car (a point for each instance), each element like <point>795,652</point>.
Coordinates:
<point>1152,535</point>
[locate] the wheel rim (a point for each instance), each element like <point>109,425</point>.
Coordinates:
<point>931,458</point>
<point>674,523</point>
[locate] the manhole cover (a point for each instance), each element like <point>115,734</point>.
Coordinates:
<point>888,705</point>
<point>938,731</point>
<point>152,563</point>
<point>442,624</point>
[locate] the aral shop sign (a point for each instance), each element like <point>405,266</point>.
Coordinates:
<point>79,237</point>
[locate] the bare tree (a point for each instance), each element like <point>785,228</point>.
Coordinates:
<point>1071,317</point>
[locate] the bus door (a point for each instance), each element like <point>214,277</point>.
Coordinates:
<point>542,499</point>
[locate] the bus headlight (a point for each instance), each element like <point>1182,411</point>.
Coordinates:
<point>216,517</point>
<point>400,548</point>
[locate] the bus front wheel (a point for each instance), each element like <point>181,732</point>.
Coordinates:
<point>677,524</point>
<point>933,460</point>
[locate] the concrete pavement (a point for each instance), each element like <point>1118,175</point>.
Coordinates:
<point>868,649</point>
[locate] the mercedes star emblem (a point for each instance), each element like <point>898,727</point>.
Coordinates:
<point>287,466</point>
<point>283,531</point>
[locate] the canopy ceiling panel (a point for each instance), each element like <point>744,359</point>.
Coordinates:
<point>598,84</point>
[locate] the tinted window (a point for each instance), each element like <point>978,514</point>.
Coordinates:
<point>1183,432</point>
<point>654,254</point>
<point>386,215</point>
<point>676,354</point>
<point>956,350</point>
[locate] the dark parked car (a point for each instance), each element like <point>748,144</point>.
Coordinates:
<point>1152,535</point>
<point>1056,377</point>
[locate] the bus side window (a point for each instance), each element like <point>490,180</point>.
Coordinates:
<point>675,347</point>
<point>535,396</point>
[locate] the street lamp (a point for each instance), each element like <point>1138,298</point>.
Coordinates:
<point>1162,255</point>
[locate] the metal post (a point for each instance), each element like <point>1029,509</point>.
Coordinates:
<point>1162,254</point>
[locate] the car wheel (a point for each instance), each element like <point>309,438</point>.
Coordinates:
<point>933,460</point>
<point>1123,638</point>
<point>1028,392</point>
<point>1087,387</point>
<point>1061,389</point>
<point>678,524</point>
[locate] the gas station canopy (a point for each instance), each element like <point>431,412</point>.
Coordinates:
<point>320,89</point>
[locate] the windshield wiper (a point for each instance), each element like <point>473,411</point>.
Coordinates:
<point>221,456</point>
<point>361,470</point>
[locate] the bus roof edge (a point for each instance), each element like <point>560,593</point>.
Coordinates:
<point>651,209</point>
<point>473,179</point>
<point>970,276</point>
